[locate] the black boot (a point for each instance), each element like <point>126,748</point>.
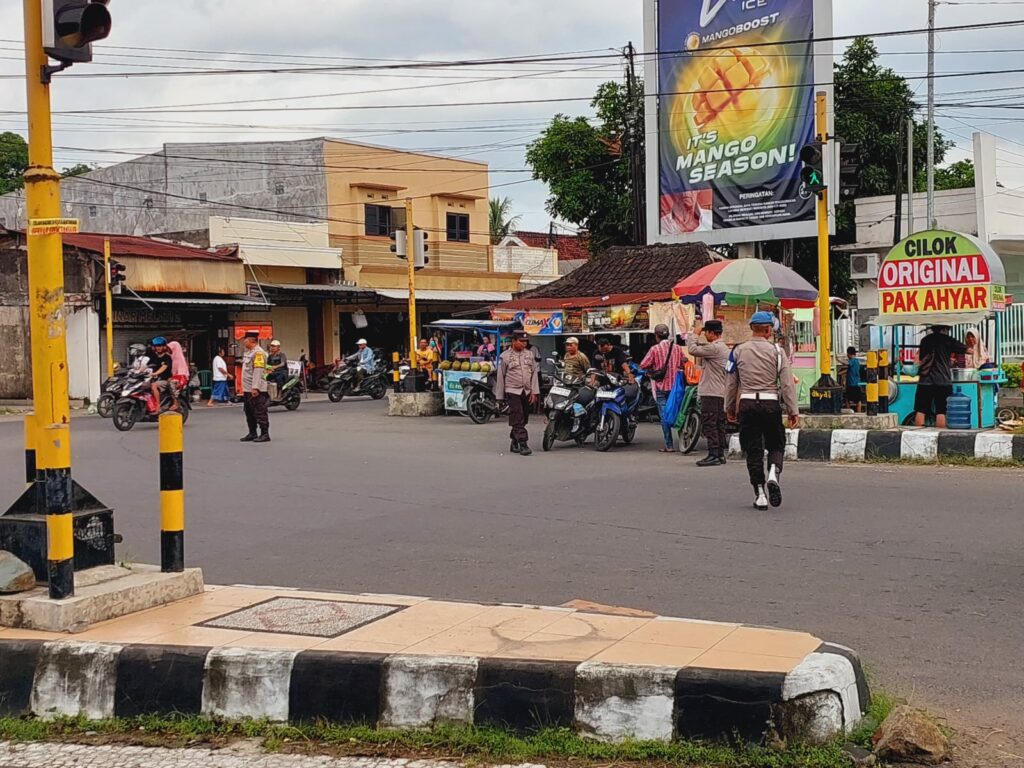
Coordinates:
<point>514,447</point>
<point>709,461</point>
<point>251,437</point>
<point>524,449</point>
<point>263,438</point>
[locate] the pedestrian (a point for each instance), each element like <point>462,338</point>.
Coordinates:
<point>219,392</point>
<point>713,355</point>
<point>518,384</point>
<point>854,393</point>
<point>254,385</point>
<point>661,363</point>
<point>935,372</point>
<point>760,387</point>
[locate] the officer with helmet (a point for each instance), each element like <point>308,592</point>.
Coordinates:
<point>760,388</point>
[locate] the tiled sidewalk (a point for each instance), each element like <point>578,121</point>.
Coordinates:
<point>266,618</point>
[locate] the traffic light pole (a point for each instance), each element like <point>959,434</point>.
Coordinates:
<point>411,263</point>
<point>46,316</point>
<point>109,307</point>
<point>824,278</point>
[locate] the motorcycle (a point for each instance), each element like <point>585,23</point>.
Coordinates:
<point>570,407</point>
<point>288,394</point>
<point>481,404</point>
<point>138,404</point>
<point>618,403</point>
<point>648,410</point>
<point>110,391</point>
<point>343,379</point>
<point>689,422</point>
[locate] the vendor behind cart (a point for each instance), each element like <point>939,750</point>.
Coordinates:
<point>935,368</point>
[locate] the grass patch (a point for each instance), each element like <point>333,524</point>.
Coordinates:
<point>945,461</point>
<point>473,745</point>
<point>881,707</point>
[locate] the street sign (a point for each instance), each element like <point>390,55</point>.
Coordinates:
<point>53,226</point>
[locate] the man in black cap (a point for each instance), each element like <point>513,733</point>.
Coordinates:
<point>518,384</point>
<point>254,387</point>
<point>713,355</point>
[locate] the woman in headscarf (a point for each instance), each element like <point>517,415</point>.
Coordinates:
<point>179,372</point>
<point>977,355</point>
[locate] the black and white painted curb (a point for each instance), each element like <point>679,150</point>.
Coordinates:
<point>894,445</point>
<point>824,695</point>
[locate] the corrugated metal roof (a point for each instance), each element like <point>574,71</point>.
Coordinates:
<point>480,297</point>
<point>147,247</point>
<point>219,301</point>
<point>316,288</point>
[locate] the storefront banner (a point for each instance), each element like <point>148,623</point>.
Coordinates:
<point>941,272</point>
<point>624,317</point>
<point>534,322</point>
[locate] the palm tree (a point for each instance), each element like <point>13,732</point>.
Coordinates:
<point>501,222</point>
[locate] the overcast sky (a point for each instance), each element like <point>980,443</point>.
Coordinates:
<point>235,34</point>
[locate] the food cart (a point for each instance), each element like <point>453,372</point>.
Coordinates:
<point>939,277</point>
<point>458,342</point>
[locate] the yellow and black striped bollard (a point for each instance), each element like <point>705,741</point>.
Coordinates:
<point>883,381</point>
<point>396,375</point>
<point>172,494</point>
<point>872,383</point>
<point>30,448</point>
<point>53,459</point>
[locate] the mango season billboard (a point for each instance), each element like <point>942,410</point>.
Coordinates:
<point>940,272</point>
<point>731,100</point>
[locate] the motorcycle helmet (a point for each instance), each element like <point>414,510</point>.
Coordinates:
<point>159,341</point>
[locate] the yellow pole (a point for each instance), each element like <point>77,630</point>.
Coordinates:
<point>824,287</point>
<point>172,493</point>
<point>410,257</point>
<point>109,307</point>
<point>46,316</point>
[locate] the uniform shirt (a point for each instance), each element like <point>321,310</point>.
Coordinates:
<point>757,371</point>
<point>254,370</point>
<point>714,355</point>
<point>518,373</point>
<point>576,366</point>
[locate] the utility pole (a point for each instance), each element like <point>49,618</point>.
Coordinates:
<point>109,306</point>
<point>910,176</point>
<point>931,114</point>
<point>411,263</point>
<point>634,133</point>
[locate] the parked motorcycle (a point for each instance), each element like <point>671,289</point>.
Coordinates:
<point>138,404</point>
<point>691,424</point>
<point>618,404</point>
<point>343,380</point>
<point>648,410</point>
<point>570,407</point>
<point>481,404</point>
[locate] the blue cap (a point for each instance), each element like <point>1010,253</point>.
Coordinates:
<point>159,341</point>
<point>762,318</point>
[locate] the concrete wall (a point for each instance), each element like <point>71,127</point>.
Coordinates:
<point>538,266</point>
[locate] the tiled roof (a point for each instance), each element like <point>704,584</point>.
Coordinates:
<point>641,271</point>
<point>568,246</point>
<point>147,247</point>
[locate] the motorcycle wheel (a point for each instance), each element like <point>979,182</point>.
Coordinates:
<point>292,400</point>
<point>125,415</point>
<point>549,436</point>
<point>377,390</point>
<point>604,437</point>
<point>336,392</point>
<point>477,409</point>
<point>628,432</point>
<point>689,435</point>
<point>105,405</point>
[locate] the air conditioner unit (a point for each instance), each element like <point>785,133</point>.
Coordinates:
<point>864,266</point>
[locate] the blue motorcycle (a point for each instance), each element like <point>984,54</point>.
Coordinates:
<point>618,404</point>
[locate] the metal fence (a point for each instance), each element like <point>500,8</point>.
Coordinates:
<point>1012,341</point>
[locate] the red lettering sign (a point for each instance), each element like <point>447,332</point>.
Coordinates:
<point>950,270</point>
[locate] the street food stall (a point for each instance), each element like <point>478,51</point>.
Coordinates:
<point>942,278</point>
<point>458,345</point>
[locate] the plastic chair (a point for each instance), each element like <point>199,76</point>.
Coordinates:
<point>206,383</point>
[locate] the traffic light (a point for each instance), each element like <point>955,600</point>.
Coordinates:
<point>71,26</point>
<point>399,243</point>
<point>813,172</point>
<point>849,165</point>
<point>420,248</point>
<point>116,276</point>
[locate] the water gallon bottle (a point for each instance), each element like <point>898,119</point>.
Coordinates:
<point>958,411</point>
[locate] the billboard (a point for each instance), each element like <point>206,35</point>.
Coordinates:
<point>731,99</point>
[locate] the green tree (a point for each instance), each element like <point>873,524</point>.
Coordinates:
<point>13,162</point>
<point>500,219</point>
<point>586,167</point>
<point>78,169</point>
<point>958,175</point>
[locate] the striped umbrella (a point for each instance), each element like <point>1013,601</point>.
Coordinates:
<point>747,281</point>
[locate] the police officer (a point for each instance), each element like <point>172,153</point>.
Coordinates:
<point>707,346</point>
<point>518,384</point>
<point>760,387</point>
<point>254,386</point>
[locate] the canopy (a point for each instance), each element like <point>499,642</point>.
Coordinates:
<point>747,281</point>
<point>472,325</point>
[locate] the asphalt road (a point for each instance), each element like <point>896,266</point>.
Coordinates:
<point>920,569</point>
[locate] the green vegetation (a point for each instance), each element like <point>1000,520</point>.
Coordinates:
<point>470,744</point>
<point>881,706</point>
<point>1013,375</point>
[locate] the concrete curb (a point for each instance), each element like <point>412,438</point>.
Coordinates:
<point>863,445</point>
<point>822,696</point>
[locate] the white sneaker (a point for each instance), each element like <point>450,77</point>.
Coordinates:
<point>760,499</point>
<point>774,489</point>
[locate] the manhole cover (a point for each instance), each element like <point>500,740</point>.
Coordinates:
<point>302,616</point>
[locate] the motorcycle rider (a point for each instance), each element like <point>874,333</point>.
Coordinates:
<point>576,364</point>
<point>614,359</point>
<point>161,364</point>
<point>365,363</point>
<point>254,385</point>
<point>713,354</point>
<point>277,365</point>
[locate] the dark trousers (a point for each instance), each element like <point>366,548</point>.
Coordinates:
<point>256,412</point>
<point>518,415</point>
<point>712,416</point>
<point>761,428</point>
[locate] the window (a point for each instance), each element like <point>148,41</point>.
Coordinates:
<point>279,188</point>
<point>383,220</point>
<point>458,227</point>
<point>93,210</point>
<point>202,197</point>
